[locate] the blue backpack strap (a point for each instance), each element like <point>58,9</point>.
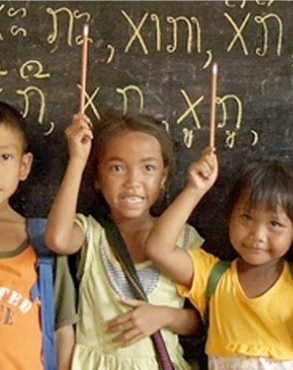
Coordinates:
<point>36,228</point>
<point>215,276</point>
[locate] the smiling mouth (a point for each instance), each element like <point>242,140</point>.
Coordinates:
<point>133,200</point>
<point>254,249</point>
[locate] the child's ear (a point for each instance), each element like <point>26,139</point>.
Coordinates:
<point>25,166</point>
<point>164,177</point>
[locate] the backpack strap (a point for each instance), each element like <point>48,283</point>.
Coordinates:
<point>120,251</point>
<point>214,278</point>
<point>45,285</point>
<point>216,274</point>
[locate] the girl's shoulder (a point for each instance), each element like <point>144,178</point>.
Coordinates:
<point>87,223</point>
<point>93,232</point>
<point>189,238</point>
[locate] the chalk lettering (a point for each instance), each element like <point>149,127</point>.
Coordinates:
<point>90,102</point>
<point>222,101</point>
<point>187,137</point>
<point>32,90</point>
<point>156,19</point>
<point>238,34</point>
<point>29,67</point>
<point>191,109</point>
<point>263,21</point>
<point>136,34</point>
<point>124,93</point>
<point>174,21</point>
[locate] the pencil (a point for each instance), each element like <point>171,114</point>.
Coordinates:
<point>84,65</point>
<point>213,105</point>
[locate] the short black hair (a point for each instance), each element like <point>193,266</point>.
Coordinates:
<point>10,117</point>
<point>268,182</point>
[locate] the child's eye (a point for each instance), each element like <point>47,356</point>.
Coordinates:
<point>116,168</point>
<point>6,156</point>
<point>276,224</point>
<point>245,216</point>
<point>150,167</point>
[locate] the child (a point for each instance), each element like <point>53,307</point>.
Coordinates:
<point>250,320</point>
<point>132,155</point>
<point>20,331</point>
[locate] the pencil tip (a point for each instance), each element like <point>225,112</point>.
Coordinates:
<point>86,30</point>
<point>215,68</point>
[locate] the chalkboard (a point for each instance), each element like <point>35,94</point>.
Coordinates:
<point>155,57</point>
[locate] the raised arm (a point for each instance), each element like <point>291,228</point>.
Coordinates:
<point>62,234</point>
<point>161,244</point>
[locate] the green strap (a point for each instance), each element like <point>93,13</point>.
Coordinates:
<point>121,253</point>
<point>217,272</point>
<point>120,250</point>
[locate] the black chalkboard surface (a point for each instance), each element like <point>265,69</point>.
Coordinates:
<point>155,57</point>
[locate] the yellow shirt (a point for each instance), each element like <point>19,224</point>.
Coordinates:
<point>260,327</point>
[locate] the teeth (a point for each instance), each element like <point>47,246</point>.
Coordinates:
<point>133,199</point>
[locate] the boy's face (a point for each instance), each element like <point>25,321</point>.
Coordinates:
<point>14,164</point>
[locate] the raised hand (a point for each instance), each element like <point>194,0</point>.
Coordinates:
<point>203,173</point>
<point>79,137</point>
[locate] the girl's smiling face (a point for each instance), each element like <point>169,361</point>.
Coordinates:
<point>131,173</point>
<point>258,234</point>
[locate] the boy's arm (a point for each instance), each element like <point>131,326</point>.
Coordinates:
<point>161,244</point>
<point>62,234</point>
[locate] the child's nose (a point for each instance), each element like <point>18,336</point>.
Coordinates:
<point>258,232</point>
<point>132,178</point>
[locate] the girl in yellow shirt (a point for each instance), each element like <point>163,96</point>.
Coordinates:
<point>250,312</point>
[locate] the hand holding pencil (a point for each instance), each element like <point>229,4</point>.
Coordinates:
<point>203,173</point>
